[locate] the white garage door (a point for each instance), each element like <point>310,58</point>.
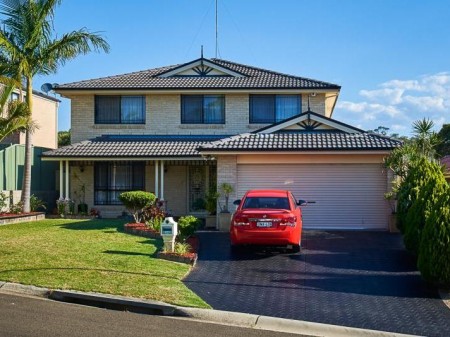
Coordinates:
<point>347,196</point>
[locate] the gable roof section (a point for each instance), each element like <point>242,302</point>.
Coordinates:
<point>133,147</point>
<point>301,141</point>
<point>308,121</point>
<point>236,77</point>
<point>201,67</point>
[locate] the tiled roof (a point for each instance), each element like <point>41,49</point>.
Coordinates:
<point>302,141</point>
<point>254,78</point>
<point>134,147</point>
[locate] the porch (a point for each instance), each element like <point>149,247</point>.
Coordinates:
<point>182,184</point>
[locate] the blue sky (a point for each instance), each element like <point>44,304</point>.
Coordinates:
<point>391,57</point>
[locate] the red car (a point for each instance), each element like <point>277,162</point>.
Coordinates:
<point>267,217</point>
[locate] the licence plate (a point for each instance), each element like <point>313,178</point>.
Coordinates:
<point>264,224</point>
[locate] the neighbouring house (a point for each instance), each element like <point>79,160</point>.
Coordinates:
<point>180,130</point>
<point>12,152</point>
<point>45,115</point>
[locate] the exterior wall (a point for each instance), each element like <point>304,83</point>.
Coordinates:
<point>45,113</point>
<point>163,116</point>
<point>227,173</point>
<point>77,179</point>
<point>316,103</point>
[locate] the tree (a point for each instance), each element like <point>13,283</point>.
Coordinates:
<point>443,148</point>
<point>434,251</point>
<point>63,138</point>
<point>15,116</point>
<point>29,47</point>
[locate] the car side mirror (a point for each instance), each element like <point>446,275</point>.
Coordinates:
<point>302,203</point>
<point>237,202</point>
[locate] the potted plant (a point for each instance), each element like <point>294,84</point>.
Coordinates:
<point>211,206</point>
<point>225,216</point>
<point>81,194</point>
<point>226,189</point>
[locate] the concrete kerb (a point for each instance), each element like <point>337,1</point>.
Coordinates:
<point>278,324</point>
<point>204,315</point>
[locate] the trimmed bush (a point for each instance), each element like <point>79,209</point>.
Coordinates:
<point>187,225</point>
<point>429,185</point>
<point>136,201</point>
<point>434,252</point>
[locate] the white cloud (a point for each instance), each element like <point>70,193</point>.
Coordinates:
<point>397,103</point>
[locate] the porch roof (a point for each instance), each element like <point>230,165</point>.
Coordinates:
<point>135,146</point>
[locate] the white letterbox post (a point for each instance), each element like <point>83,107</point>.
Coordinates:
<point>169,231</point>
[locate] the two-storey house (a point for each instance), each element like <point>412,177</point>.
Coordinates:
<point>179,130</point>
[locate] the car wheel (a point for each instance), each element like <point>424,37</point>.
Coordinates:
<point>296,248</point>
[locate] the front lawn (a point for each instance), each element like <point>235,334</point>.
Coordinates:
<point>91,255</point>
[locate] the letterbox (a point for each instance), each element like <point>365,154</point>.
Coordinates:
<point>169,231</point>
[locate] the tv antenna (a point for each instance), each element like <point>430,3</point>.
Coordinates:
<point>217,25</point>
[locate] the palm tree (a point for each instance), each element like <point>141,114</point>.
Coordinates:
<point>29,45</point>
<point>14,116</point>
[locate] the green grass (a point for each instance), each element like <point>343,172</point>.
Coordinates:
<point>91,255</point>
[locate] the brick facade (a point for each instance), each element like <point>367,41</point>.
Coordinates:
<point>163,116</point>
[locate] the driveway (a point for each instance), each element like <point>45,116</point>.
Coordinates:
<point>358,279</point>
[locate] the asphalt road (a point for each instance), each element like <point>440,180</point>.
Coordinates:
<point>28,316</point>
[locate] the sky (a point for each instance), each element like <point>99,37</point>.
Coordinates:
<point>391,57</point>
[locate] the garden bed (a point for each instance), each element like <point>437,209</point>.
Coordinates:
<point>143,230</point>
<point>9,218</point>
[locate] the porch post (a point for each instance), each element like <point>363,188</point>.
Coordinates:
<point>61,181</point>
<point>162,180</point>
<point>67,179</point>
<point>156,178</point>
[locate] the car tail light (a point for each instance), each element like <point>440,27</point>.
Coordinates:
<point>241,222</point>
<point>290,221</point>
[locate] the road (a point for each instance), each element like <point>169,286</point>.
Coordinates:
<point>29,316</point>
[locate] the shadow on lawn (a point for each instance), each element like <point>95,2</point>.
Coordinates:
<point>90,269</point>
<point>122,252</point>
<point>109,225</point>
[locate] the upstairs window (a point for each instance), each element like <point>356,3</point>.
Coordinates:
<point>119,109</point>
<point>202,109</point>
<point>273,108</point>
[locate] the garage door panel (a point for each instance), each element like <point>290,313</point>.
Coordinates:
<point>346,196</point>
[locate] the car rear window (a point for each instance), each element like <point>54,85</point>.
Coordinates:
<point>266,202</point>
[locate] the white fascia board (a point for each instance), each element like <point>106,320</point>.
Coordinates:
<point>119,159</point>
<point>337,152</point>
<point>69,92</point>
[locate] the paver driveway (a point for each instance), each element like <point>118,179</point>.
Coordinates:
<point>359,279</point>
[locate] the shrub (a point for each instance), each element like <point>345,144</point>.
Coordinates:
<point>434,251</point>
<point>3,201</point>
<point>16,208</point>
<point>153,215</point>
<point>429,185</point>
<point>36,203</point>
<point>182,248</point>
<point>136,201</point>
<point>187,225</point>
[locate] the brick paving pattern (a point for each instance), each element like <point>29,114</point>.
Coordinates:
<point>358,279</point>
